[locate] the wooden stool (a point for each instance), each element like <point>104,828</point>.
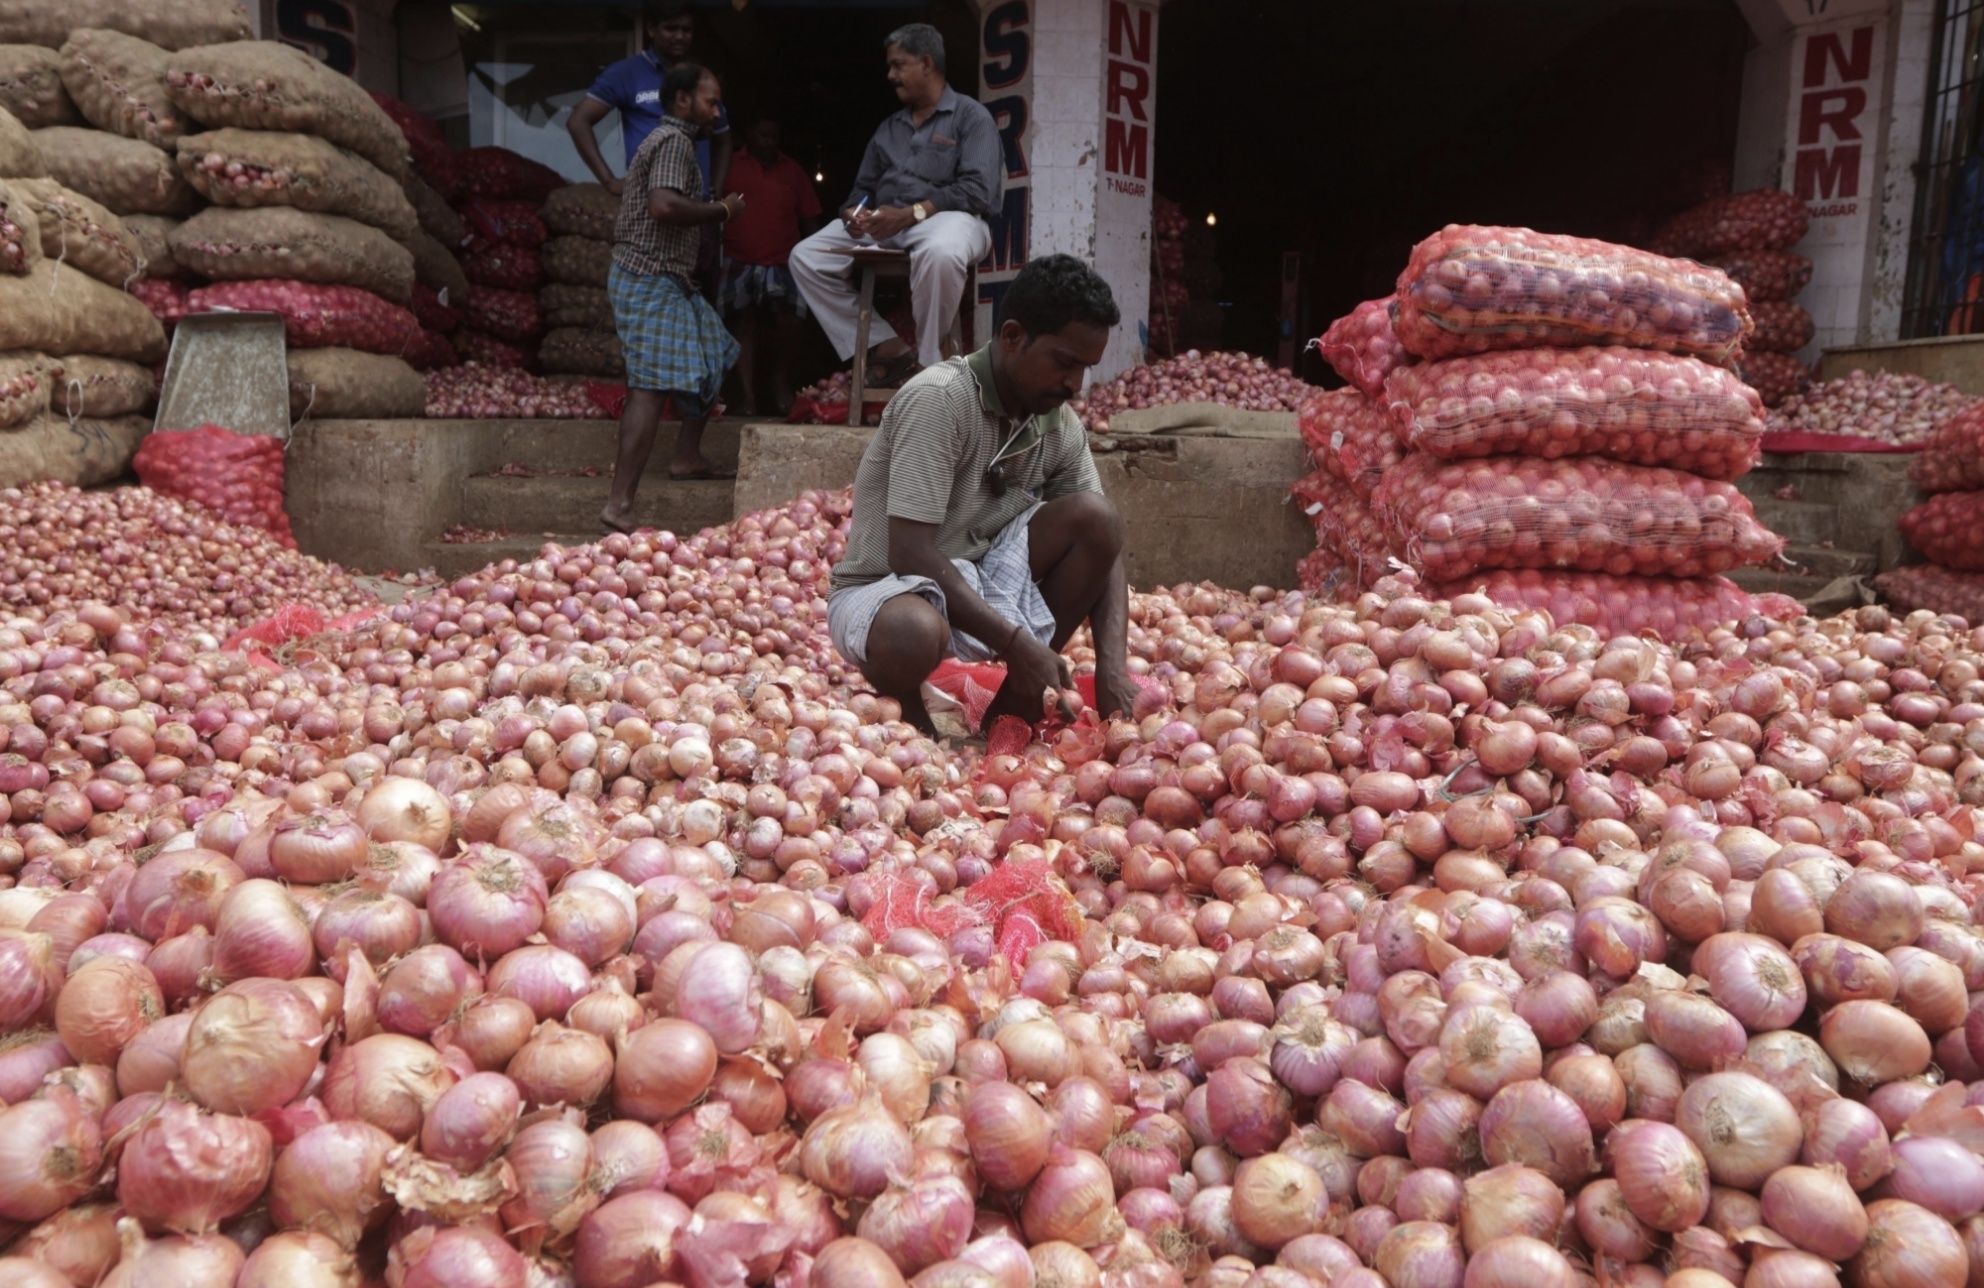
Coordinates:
<point>874,262</point>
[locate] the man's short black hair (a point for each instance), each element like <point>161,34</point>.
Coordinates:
<point>919,40</point>
<point>659,11</point>
<point>683,78</point>
<point>1054,290</point>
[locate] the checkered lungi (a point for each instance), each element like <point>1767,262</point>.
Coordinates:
<point>1003,578</point>
<point>770,285</point>
<point>673,340</point>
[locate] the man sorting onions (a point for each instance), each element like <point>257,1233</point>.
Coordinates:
<point>980,530</point>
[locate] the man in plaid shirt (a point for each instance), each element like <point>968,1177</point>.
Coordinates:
<point>676,346</point>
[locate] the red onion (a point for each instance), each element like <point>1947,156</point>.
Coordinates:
<point>330,1180</point>
<point>386,1080</point>
<point>185,1172</point>
<point>454,1257</point>
<point>50,1151</point>
<point>251,1047</point>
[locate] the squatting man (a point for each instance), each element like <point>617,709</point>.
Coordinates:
<point>980,530</point>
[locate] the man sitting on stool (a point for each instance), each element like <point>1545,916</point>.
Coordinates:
<point>932,175</point>
<point>980,530</point>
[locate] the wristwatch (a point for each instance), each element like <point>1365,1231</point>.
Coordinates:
<point>920,213</point>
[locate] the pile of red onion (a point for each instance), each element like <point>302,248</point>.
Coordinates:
<point>525,938</point>
<point>1888,406</point>
<point>1238,380</point>
<point>476,391</point>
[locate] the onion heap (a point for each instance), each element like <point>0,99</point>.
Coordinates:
<point>1238,380</point>
<point>583,922</point>
<point>476,390</point>
<point>1899,408</point>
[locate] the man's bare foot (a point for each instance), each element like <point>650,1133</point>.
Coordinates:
<point>618,520</point>
<point>701,469</point>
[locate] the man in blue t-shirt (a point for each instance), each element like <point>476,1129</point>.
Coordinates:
<point>633,86</point>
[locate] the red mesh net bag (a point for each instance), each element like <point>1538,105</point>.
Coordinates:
<point>431,352</point>
<point>971,685</point>
<point>1362,347</point>
<point>1775,376</point>
<point>498,174</point>
<point>237,476</point>
<point>1669,607</point>
<point>1627,404</point>
<point>516,223</point>
<point>1948,529</point>
<point>1345,527</point>
<point>166,300</point>
<point>1766,274</point>
<point>1320,573</point>
<point>479,346</point>
<point>432,314</point>
<point>507,315</point>
<point>1022,900</point>
<point>1761,219</point>
<point>1351,437</point>
<point>424,141</point>
<point>1471,289</point>
<point>1940,590</point>
<point>317,316</point>
<point>1953,460</point>
<point>1583,513</point>
<point>502,266</point>
<point>1782,327</point>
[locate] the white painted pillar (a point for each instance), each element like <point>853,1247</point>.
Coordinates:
<point>1073,85</point>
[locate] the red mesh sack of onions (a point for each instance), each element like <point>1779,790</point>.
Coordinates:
<point>1471,289</point>
<point>1670,607</point>
<point>481,347</point>
<point>1453,518</point>
<point>166,300</point>
<point>1344,526</point>
<point>474,391</point>
<point>1351,437</point>
<point>1948,529</point>
<point>1766,274</point>
<point>1775,376</point>
<point>1940,590</point>
<point>507,315</point>
<point>498,174</point>
<point>237,476</point>
<point>1627,404</point>
<point>432,156</point>
<point>1362,347</point>
<point>517,223</point>
<point>1761,219</point>
<point>1953,461</point>
<point>316,316</point>
<point>1782,327</point>
<point>432,313</point>
<point>431,352</point>
<point>502,266</point>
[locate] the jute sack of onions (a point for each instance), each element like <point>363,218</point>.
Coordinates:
<point>1362,347</point>
<point>1775,376</point>
<point>1766,274</point>
<point>435,267</point>
<point>578,261</point>
<point>1351,437</point>
<point>1948,529</point>
<point>55,309</point>
<point>25,379</point>
<point>577,351</point>
<point>580,306</point>
<point>1782,327</point>
<point>317,316</point>
<point>1673,608</point>
<point>582,210</point>
<point>20,153</point>
<point>1470,289</point>
<point>480,347</point>
<point>1953,461</point>
<point>128,176</point>
<point>502,266</point>
<point>282,242</point>
<point>437,218</point>
<point>1761,219</point>
<point>1583,513</point>
<point>118,83</point>
<point>1627,404</point>
<point>81,233</point>
<point>264,85</point>
<point>344,384</point>
<point>82,453</point>
<point>152,233</point>
<point>97,386</point>
<point>20,230</point>
<point>31,87</point>
<point>175,24</point>
<point>248,168</point>
<point>1939,590</point>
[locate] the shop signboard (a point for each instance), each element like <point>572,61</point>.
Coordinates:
<point>324,29</point>
<point>1833,132</point>
<point>1005,74</point>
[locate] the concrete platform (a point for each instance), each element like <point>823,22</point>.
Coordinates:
<point>1959,359</point>
<point>1848,502</point>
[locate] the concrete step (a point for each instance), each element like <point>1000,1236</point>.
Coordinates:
<point>561,503</point>
<point>1824,561</point>
<point>1802,523</point>
<point>1799,586</point>
<point>576,444</point>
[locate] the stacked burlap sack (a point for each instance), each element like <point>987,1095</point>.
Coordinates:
<point>580,337</point>
<point>1548,420</point>
<point>1749,235</point>
<point>75,348</point>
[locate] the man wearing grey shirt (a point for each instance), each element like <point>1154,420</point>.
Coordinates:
<point>980,530</point>
<point>932,175</point>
